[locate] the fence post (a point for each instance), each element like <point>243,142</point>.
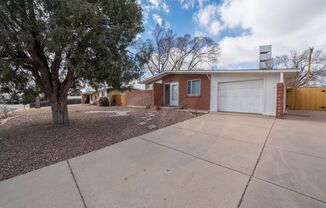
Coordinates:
<point>37,102</point>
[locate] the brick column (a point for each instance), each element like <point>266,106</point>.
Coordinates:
<point>157,94</point>
<point>280,100</point>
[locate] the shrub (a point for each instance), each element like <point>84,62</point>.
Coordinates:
<point>103,101</point>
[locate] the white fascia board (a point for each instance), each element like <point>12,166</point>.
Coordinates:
<point>238,71</point>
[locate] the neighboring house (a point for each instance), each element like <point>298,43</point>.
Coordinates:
<point>89,96</point>
<point>92,96</point>
<point>133,96</point>
<point>5,97</point>
<point>245,91</point>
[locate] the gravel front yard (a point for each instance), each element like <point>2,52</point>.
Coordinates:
<point>29,141</point>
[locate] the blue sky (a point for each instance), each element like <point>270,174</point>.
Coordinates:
<point>240,26</point>
<point>182,20</point>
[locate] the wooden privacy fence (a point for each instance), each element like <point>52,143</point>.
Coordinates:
<point>120,100</point>
<point>306,99</point>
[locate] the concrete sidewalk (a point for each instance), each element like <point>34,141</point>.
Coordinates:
<point>216,160</point>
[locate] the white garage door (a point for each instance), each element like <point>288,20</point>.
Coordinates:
<point>243,96</point>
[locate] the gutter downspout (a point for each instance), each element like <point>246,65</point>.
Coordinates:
<point>208,76</point>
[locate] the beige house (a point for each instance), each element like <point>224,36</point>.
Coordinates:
<point>89,97</point>
<point>92,96</point>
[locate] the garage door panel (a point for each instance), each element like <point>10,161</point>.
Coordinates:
<point>243,96</point>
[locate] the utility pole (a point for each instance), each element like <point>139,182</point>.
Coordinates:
<point>309,65</point>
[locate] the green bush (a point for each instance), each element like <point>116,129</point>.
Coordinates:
<point>103,101</point>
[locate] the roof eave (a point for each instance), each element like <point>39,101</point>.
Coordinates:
<point>159,76</point>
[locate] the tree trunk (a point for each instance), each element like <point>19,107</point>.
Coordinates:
<point>59,111</point>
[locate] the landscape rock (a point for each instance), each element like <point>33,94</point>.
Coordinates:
<point>114,113</point>
<point>26,134</point>
<point>152,126</point>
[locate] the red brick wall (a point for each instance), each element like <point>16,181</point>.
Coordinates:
<point>139,97</point>
<point>201,102</point>
<point>279,100</point>
<point>157,94</point>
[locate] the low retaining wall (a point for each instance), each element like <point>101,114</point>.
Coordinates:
<point>47,103</point>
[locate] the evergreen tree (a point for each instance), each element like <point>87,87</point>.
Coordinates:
<point>56,43</point>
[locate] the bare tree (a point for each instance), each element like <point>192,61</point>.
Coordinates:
<point>166,52</point>
<point>300,60</point>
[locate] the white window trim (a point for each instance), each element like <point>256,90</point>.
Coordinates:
<point>191,95</point>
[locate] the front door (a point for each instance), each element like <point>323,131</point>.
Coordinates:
<point>171,94</point>
<point>174,94</point>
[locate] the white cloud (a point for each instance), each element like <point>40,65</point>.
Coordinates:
<point>214,27</point>
<point>205,15</point>
<point>287,25</point>
<point>149,6</point>
<point>187,4</point>
<point>165,7</point>
<point>208,20</point>
<point>138,36</point>
<point>157,5</point>
<point>157,19</point>
<point>201,3</point>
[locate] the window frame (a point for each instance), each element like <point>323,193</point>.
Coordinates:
<point>191,94</point>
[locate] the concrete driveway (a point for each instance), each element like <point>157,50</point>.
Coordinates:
<point>216,160</point>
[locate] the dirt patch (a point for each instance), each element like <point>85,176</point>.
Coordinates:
<point>30,141</point>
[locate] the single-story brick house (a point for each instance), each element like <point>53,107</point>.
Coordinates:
<point>246,91</point>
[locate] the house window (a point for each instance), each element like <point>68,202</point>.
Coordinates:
<point>193,87</point>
